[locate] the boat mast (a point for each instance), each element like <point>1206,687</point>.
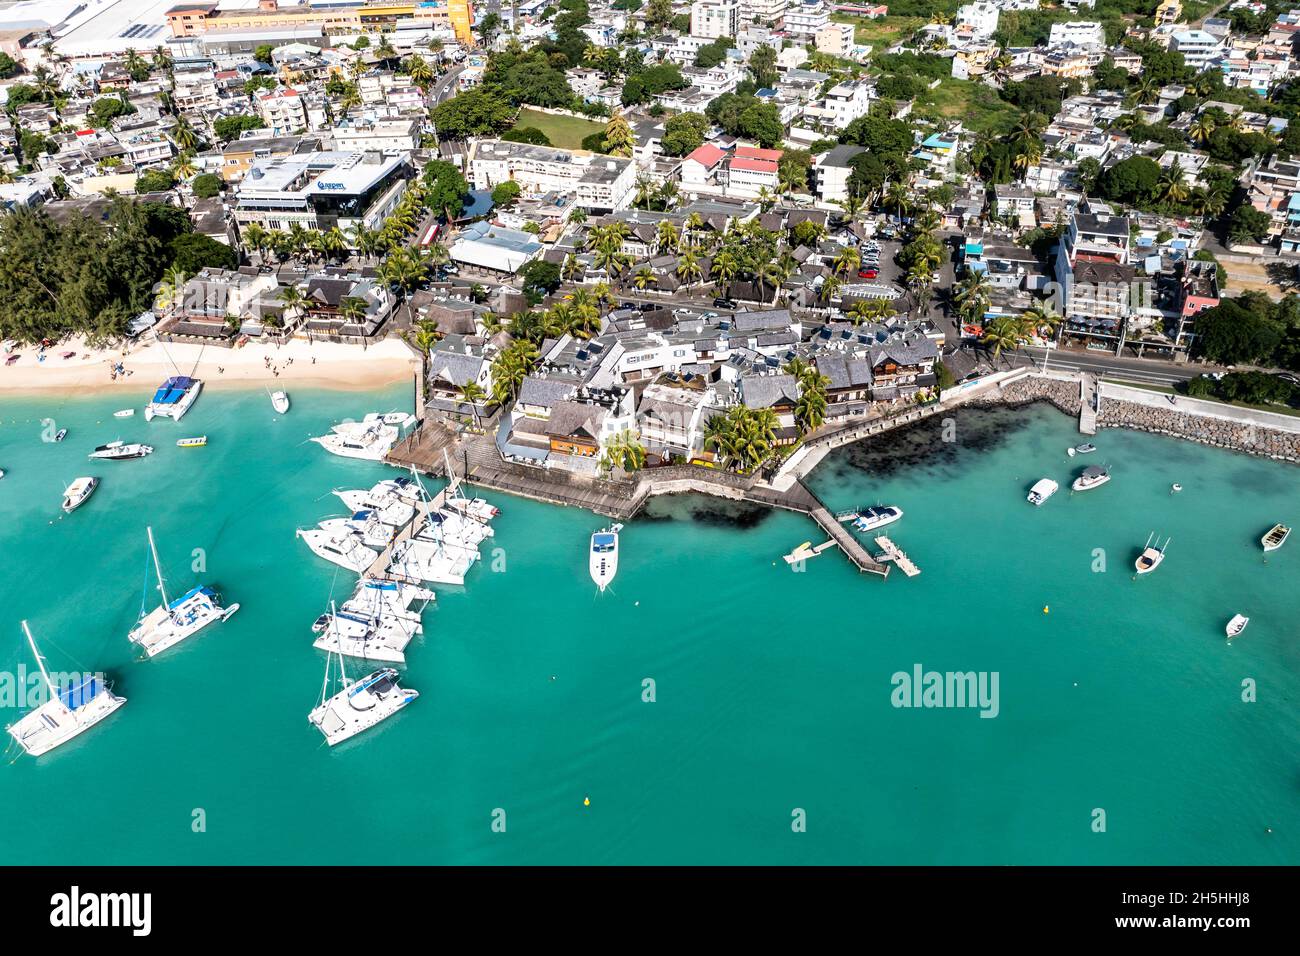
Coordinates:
<point>40,662</point>
<point>157,566</point>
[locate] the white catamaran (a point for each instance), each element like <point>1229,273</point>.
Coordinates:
<point>69,711</point>
<point>358,705</point>
<point>343,548</point>
<point>174,398</point>
<point>172,621</point>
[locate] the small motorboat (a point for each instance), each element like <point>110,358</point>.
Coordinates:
<point>603,559</point>
<point>1043,489</point>
<point>1151,555</point>
<point>78,492</point>
<point>196,442</point>
<point>61,434</point>
<point>124,413</point>
<point>2,472</point>
<point>1175,488</point>
<point>869,519</point>
<point>1092,477</point>
<point>280,402</point>
<point>1236,625</point>
<point>1085,449</point>
<point>119,451</point>
<point>1275,537</point>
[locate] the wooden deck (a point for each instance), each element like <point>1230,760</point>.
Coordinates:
<point>898,556</point>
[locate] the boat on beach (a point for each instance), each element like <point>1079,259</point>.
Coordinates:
<point>877,516</point>
<point>69,711</point>
<point>196,442</point>
<point>173,621</point>
<point>280,401</point>
<point>120,451</point>
<point>1043,489</point>
<point>603,559</point>
<point>1152,555</point>
<point>1236,625</point>
<point>174,398</point>
<point>1094,476</point>
<point>78,493</point>
<point>1275,537</point>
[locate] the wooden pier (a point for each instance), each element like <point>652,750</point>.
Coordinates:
<point>851,546</point>
<point>898,556</point>
<point>381,567</point>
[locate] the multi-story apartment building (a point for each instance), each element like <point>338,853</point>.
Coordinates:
<point>597,182</point>
<point>1081,33</point>
<point>197,17</point>
<point>1273,186</point>
<point>806,19</point>
<point>322,190</point>
<point>392,135</point>
<point>763,11</point>
<point>715,18</point>
<point>1197,47</point>
<point>1095,279</point>
<point>836,39</point>
<point>283,111</point>
<point>981,17</point>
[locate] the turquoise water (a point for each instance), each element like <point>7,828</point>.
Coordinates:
<point>772,688</point>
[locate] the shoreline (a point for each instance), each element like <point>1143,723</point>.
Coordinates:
<point>327,365</point>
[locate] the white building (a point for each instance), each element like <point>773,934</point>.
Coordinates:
<point>981,17</point>
<point>1197,47</point>
<point>846,102</point>
<point>597,182</point>
<point>1082,33</point>
<point>763,11</point>
<point>391,135</point>
<point>831,171</point>
<point>322,190</point>
<point>806,19</point>
<point>715,18</point>
<point>282,111</point>
<point>836,39</point>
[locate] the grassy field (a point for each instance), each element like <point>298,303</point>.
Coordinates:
<point>565,132</point>
<point>975,104</point>
<point>882,33</point>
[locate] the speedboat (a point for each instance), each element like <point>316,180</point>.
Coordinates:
<point>69,711</point>
<point>1043,489</point>
<point>78,492</point>
<point>124,413</point>
<point>877,516</point>
<point>174,398</point>
<point>117,451</point>
<point>603,560</point>
<point>197,442</point>
<point>173,621</point>
<point>396,419</point>
<point>1151,555</point>
<point>280,402</point>
<point>1092,477</point>
<point>360,704</point>
<point>1236,625</point>
<point>374,532</point>
<point>1275,537</point>
<point>1085,449</point>
<point>342,548</point>
<point>61,434</point>
<point>1175,488</point>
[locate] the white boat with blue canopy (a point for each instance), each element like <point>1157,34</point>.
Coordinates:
<point>603,561</point>
<point>70,710</point>
<point>174,398</point>
<point>173,621</point>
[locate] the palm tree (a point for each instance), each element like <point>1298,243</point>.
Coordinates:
<point>352,309</point>
<point>1037,318</point>
<point>852,205</point>
<point>848,260</point>
<point>725,268</point>
<point>292,300</point>
<point>472,393</point>
<point>1201,129</point>
<point>899,198</point>
<point>644,277</point>
<point>667,238</point>
<point>626,451</point>
<point>254,236</point>
<point>184,167</point>
<point>689,270</point>
<point>571,269</point>
<point>1002,333</point>
<point>426,336</point>
<point>1173,187</point>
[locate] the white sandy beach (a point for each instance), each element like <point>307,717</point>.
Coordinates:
<point>318,365</point>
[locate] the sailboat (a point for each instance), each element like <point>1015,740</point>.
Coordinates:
<point>173,621</point>
<point>1151,555</point>
<point>69,711</point>
<point>603,561</point>
<point>358,705</point>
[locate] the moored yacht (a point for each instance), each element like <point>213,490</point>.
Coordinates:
<point>433,561</point>
<point>172,621</point>
<point>69,711</point>
<point>118,450</point>
<point>602,560</point>
<point>358,705</point>
<point>280,402</point>
<point>869,519</point>
<point>373,532</point>
<point>1092,477</point>
<point>370,442</point>
<point>78,493</point>
<point>1043,489</point>
<point>174,398</point>
<point>368,637</point>
<point>342,548</point>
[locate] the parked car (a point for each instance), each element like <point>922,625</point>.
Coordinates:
<point>868,273</point>
<point>723,303</point>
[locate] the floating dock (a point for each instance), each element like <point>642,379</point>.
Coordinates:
<point>381,567</point>
<point>897,556</point>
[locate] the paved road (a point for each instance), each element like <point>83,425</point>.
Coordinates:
<point>1144,371</point>
<point>445,85</point>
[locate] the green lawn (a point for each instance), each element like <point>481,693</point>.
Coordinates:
<point>1166,390</point>
<point>566,132</point>
<point>976,105</point>
<point>882,33</point>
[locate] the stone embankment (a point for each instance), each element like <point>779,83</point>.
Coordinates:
<point>1243,436</point>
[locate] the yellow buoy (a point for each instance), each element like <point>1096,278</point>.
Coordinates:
<point>586,801</point>
<point>1046,610</point>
